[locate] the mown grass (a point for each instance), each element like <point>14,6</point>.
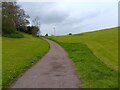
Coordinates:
<point>19,54</point>
<point>95,55</point>
<point>103,43</point>
<point>92,71</point>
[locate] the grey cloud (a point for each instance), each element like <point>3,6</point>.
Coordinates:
<point>79,19</point>
<point>46,11</point>
<point>54,17</point>
<point>49,13</point>
<point>71,17</point>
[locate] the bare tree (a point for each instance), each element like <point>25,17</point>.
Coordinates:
<point>36,23</point>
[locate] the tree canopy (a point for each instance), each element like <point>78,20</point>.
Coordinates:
<point>15,19</point>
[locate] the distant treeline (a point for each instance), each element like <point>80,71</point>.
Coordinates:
<point>15,20</point>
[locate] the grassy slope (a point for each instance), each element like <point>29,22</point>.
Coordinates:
<point>104,44</point>
<point>95,55</point>
<point>19,54</point>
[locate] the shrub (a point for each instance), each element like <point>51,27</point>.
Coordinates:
<point>46,34</point>
<point>70,33</point>
<point>35,30</point>
<point>14,35</point>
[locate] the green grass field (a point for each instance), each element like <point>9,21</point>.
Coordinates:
<point>95,55</point>
<point>19,55</point>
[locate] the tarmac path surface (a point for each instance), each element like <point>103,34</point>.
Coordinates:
<point>54,70</point>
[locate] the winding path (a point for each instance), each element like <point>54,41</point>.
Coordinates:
<point>54,70</point>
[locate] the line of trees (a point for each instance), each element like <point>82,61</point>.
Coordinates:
<point>14,19</point>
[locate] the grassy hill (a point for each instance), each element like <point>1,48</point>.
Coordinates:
<point>19,54</point>
<point>95,55</point>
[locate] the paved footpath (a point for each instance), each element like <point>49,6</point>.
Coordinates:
<point>54,70</point>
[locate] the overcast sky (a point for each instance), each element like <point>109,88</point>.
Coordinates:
<point>73,16</point>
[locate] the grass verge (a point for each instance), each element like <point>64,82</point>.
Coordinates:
<point>91,70</point>
<point>19,54</point>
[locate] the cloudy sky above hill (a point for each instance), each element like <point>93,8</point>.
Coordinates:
<point>73,16</point>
